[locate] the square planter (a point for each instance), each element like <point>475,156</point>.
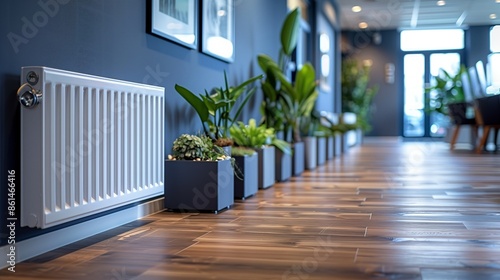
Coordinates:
<point>266,166</point>
<point>283,167</point>
<point>298,158</point>
<point>248,185</point>
<point>200,186</point>
<point>338,144</point>
<point>330,147</point>
<point>310,152</point>
<point>344,142</point>
<point>321,150</point>
<point>360,135</point>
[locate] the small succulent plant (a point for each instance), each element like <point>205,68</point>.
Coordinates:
<point>193,147</point>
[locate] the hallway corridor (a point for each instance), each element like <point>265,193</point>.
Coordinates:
<point>384,210</point>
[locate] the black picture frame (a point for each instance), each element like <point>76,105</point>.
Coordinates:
<point>217,34</point>
<point>176,20</point>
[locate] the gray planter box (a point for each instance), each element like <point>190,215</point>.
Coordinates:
<point>266,166</point>
<point>310,152</point>
<point>248,185</point>
<point>360,135</point>
<point>344,143</point>
<point>338,144</point>
<point>199,186</point>
<point>321,151</point>
<point>227,150</point>
<point>283,166</point>
<point>298,158</point>
<point>330,147</point>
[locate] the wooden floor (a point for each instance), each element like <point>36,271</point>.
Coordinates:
<point>385,210</point>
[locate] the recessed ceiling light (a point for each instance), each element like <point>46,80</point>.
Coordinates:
<point>358,9</point>
<point>441,3</point>
<point>498,1</point>
<point>363,25</point>
<point>493,16</point>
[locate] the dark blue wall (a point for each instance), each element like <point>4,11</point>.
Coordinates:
<point>386,107</point>
<point>108,38</point>
<point>478,41</point>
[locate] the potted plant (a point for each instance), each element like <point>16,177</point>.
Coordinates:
<point>246,161</point>
<point>312,128</point>
<point>285,102</point>
<point>323,131</point>
<point>357,95</point>
<point>446,96</point>
<point>263,140</point>
<point>212,187</point>
<point>296,100</point>
<point>335,126</point>
<point>447,89</point>
<point>217,111</point>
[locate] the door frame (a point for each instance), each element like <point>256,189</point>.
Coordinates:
<point>427,76</point>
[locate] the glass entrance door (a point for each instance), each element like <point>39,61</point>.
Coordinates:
<point>419,68</point>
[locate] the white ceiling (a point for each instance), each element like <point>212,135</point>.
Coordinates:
<point>411,14</point>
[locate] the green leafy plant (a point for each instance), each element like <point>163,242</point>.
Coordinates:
<point>255,136</point>
<point>299,101</point>
<point>285,103</point>
<point>198,148</point>
<point>214,109</point>
<point>271,105</point>
<point>311,125</point>
<point>447,89</point>
<point>357,95</point>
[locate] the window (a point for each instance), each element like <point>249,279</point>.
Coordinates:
<point>434,39</point>
<point>494,61</point>
<point>495,39</point>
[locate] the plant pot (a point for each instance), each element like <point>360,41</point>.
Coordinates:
<point>337,144</point>
<point>359,136</point>
<point>344,143</point>
<point>330,147</point>
<point>248,185</point>
<point>199,186</point>
<point>283,166</point>
<point>266,166</point>
<point>321,151</point>
<point>227,150</point>
<point>298,158</point>
<point>310,152</point>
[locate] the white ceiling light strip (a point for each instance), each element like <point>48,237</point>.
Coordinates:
<point>414,16</point>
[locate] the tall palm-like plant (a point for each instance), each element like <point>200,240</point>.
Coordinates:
<point>271,106</point>
<point>285,103</point>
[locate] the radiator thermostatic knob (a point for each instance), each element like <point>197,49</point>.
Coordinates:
<point>29,98</point>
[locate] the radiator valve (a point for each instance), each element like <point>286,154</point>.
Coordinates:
<point>29,98</point>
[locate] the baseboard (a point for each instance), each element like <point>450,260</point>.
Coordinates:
<point>38,245</point>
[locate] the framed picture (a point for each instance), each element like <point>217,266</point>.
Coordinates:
<point>218,29</point>
<point>176,20</point>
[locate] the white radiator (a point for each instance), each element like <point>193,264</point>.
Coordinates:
<point>90,144</point>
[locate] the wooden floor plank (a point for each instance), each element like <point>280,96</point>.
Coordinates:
<point>385,210</point>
